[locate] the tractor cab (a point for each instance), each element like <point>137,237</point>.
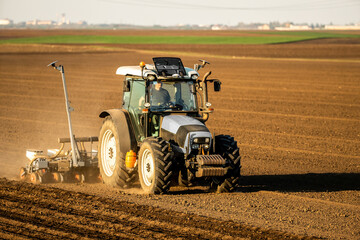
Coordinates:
<point>164,88</point>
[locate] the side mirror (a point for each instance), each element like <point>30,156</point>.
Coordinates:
<point>217,85</point>
<point>126,87</point>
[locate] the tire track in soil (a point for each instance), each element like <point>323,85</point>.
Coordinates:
<point>66,214</point>
<point>59,94</point>
<point>294,150</point>
<point>28,230</point>
<point>7,84</point>
<point>286,115</point>
<point>323,139</point>
<point>48,122</point>
<point>340,148</point>
<point>241,99</point>
<point>281,89</point>
<point>37,111</point>
<point>60,98</point>
<point>309,127</point>
<point>76,220</point>
<point>248,79</point>
<point>110,215</point>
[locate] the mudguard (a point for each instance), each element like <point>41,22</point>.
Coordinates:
<point>121,119</point>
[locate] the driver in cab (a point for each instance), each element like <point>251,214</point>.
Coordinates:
<point>159,95</point>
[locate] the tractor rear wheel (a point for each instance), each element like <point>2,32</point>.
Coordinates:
<point>227,147</point>
<point>112,165</point>
<point>155,166</point>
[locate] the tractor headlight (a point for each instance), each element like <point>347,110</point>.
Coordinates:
<point>208,104</point>
<point>195,146</point>
<point>201,140</point>
<point>194,76</point>
<point>206,146</point>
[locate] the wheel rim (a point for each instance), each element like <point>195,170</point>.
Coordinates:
<point>22,173</point>
<point>34,178</point>
<point>58,177</point>
<point>108,153</point>
<point>147,167</point>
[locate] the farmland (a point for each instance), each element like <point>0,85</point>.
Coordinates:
<point>294,109</point>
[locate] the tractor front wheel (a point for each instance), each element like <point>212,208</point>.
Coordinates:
<point>155,166</point>
<point>227,147</point>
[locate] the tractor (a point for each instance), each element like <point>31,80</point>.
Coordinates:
<point>159,137</point>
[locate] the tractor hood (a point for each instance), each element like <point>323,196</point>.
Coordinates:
<point>183,129</point>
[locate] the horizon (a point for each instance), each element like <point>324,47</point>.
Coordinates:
<point>171,12</point>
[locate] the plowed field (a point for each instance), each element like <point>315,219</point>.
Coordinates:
<point>293,108</point>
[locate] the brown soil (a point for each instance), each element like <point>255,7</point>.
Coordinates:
<point>33,211</point>
<point>293,50</point>
<point>296,119</point>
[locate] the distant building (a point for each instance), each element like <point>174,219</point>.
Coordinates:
<point>264,27</point>
<point>300,27</point>
<point>81,23</point>
<point>350,27</point>
<point>290,27</point>
<point>46,22</point>
<point>5,22</point>
<point>40,22</point>
<point>219,27</point>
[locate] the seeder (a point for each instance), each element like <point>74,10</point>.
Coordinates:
<point>70,164</point>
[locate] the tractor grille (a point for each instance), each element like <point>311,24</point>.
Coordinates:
<point>215,159</point>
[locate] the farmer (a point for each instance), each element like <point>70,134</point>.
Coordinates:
<point>159,95</point>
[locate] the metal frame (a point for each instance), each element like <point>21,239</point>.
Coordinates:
<point>75,151</point>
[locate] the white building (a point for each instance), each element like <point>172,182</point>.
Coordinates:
<point>291,27</point>
<point>4,22</point>
<point>264,27</point>
<point>219,27</point>
<point>40,22</point>
<point>351,27</point>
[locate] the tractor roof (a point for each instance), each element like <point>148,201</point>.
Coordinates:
<point>163,67</point>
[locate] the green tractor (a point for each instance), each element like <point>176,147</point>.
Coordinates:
<point>158,136</point>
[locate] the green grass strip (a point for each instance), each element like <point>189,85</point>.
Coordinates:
<point>311,34</point>
<point>269,38</point>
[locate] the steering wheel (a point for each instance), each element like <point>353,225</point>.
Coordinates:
<point>182,104</point>
<point>171,105</point>
<point>178,107</point>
